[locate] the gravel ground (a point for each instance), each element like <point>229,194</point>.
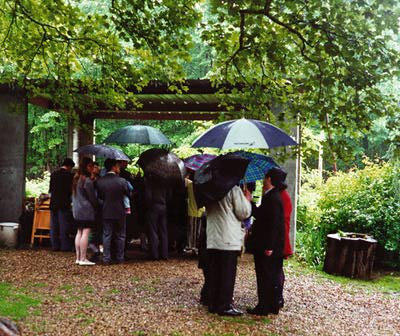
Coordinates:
<point>144,297</point>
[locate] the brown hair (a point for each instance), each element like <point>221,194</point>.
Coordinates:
<point>82,172</point>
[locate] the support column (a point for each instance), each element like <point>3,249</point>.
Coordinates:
<point>291,166</point>
<point>83,134</point>
<point>72,142</point>
<point>13,138</point>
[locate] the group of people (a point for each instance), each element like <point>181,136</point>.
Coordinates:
<point>97,204</point>
<point>102,199</point>
<point>102,210</point>
<point>268,240</point>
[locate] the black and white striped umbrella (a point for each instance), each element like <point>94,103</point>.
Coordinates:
<point>244,133</point>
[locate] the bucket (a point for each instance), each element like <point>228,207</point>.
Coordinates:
<point>8,234</point>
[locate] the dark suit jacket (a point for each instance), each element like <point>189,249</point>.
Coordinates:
<point>111,190</point>
<point>268,229</point>
<point>60,189</point>
<point>157,194</point>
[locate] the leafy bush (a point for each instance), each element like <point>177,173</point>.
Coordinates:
<point>363,201</point>
<point>33,188</point>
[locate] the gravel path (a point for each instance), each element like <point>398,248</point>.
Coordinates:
<point>161,298</point>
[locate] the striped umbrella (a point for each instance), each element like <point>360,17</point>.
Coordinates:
<point>258,166</point>
<point>194,162</point>
<point>244,133</point>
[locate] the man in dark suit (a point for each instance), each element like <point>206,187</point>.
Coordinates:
<point>266,243</point>
<point>111,190</point>
<point>157,195</point>
<point>60,206</point>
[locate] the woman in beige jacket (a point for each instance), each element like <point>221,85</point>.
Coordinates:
<point>224,242</point>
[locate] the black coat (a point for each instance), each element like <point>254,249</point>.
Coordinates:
<point>60,189</point>
<point>268,229</point>
<point>111,189</point>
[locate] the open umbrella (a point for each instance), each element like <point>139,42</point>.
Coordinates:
<point>139,134</point>
<point>194,162</point>
<point>244,133</point>
<point>164,165</point>
<point>258,166</point>
<point>215,178</point>
<point>102,151</point>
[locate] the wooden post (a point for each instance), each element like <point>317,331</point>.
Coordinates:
<point>350,254</point>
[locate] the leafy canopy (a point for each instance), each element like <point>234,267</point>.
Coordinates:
<point>101,48</point>
<point>322,61</point>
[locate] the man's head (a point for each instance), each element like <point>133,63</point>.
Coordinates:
<point>277,177</point>
<point>112,165</point>
<point>68,164</point>
<point>123,164</point>
<point>96,168</point>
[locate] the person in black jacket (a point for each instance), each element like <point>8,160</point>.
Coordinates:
<point>266,242</point>
<point>157,196</point>
<point>60,206</point>
<point>111,190</point>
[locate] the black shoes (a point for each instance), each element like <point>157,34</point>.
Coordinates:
<point>231,312</point>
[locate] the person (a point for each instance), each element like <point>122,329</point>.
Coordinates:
<point>287,211</point>
<point>177,213</point>
<point>204,262</point>
<point>84,204</point>
<point>224,242</point>
<point>139,210</point>
<point>95,237</point>
<point>194,219</point>
<point>95,171</point>
<point>111,190</point>
<point>156,200</point>
<point>124,173</point>
<point>266,242</point>
<point>251,187</point>
<point>60,206</point>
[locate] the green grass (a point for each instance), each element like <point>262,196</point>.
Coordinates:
<point>384,282</point>
<point>67,288</point>
<point>238,319</point>
<point>13,303</point>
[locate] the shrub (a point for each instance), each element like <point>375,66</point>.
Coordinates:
<point>363,201</point>
<point>34,187</point>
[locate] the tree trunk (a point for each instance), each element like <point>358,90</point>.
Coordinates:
<point>351,255</point>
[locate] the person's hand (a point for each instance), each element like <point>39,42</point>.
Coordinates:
<point>268,253</point>
<point>247,194</point>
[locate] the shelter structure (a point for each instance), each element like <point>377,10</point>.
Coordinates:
<point>200,100</point>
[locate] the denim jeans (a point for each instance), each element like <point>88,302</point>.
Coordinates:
<point>60,229</point>
<point>114,229</point>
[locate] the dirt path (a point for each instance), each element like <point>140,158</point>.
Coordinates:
<point>161,298</point>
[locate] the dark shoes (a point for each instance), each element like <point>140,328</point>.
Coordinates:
<point>231,312</point>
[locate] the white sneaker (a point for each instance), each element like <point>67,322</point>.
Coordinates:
<point>86,263</point>
<point>77,261</point>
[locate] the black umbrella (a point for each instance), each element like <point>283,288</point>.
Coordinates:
<point>161,164</point>
<point>103,151</point>
<point>139,134</point>
<point>215,178</point>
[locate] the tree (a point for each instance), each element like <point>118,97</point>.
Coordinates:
<point>47,140</point>
<point>323,61</point>
<point>80,54</point>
